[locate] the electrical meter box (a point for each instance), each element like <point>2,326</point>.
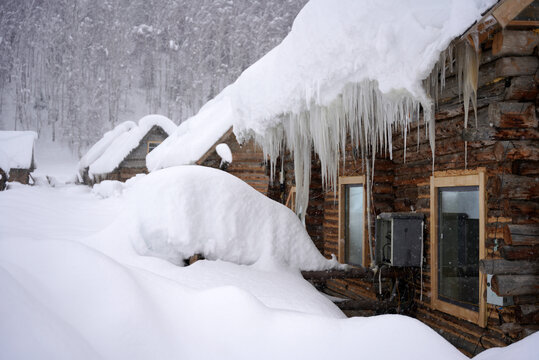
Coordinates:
<point>399,239</point>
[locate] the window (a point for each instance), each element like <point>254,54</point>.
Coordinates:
<point>152,145</point>
<point>352,220</point>
<point>457,244</point>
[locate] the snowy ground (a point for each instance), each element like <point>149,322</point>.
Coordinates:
<point>74,288</point>
<point>54,160</point>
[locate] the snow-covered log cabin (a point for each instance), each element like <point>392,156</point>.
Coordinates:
<point>477,198</point>
<point>393,170</point>
<point>121,153</point>
<point>16,156</point>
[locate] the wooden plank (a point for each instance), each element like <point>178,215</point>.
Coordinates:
<point>520,252</point>
<point>510,285</point>
<point>483,206</point>
<point>514,42</point>
<point>508,10</point>
<point>527,234</point>
<point>505,267</point>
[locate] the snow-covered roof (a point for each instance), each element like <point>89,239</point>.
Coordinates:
<point>99,147</point>
<point>126,141</point>
<point>395,43</point>
<point>195,136</point>
<point>16,149</point>
<point>392,46</point>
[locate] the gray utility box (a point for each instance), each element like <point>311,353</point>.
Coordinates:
<point>399,238</point>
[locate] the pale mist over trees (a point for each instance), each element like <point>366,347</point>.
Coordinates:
<point>71,69</point>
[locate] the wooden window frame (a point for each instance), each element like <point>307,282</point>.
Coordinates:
<point>151,142</point>
<point>291,199</point>
<point>466,178</point>
<point>343,181</point>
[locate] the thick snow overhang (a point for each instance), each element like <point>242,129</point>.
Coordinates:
<point>196,136</point>
<point>17,150</point>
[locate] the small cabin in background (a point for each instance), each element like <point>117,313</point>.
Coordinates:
<point>16,156</point>
<point>121,153</point>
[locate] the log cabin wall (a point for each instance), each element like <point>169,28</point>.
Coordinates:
<point>505,144</point>
<point>247,162</point>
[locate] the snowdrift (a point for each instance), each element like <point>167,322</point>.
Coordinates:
<point>64,300</point>
<point>181,211</point>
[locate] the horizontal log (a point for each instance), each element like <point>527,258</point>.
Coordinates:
<point>522,88</point>
<point>521,234</point>
<point>511,328</point>
<point>527,314</point>
<point>365,304</point>
<point>526,299</point>
<point>523,150</point>
<point>516,66</point>
<point>516,187</point>
<point>512,115</point>
<point>520,252</point>
<point>510,42</point>
<point>350,273</point>
<point>510,285</point>
<point>506,267</point>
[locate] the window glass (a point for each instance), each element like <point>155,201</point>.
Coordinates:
<point>354,224</point>
<point>458,246</point>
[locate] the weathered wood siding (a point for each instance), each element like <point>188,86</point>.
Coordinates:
<point>247,162</point>
<point>137,156</point>
<point>505,143</point>
<point>20,175</point>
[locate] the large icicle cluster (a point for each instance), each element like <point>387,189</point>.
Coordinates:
<point>362,112</point>
<point>368,117</point>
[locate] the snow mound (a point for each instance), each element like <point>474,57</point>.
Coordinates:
<point>525,349</point>
<point>224,152</point>
<point>195,136</point>
<point>181,211</point>
<point>16,149</point>
<point>99,147</point>
<point>64,300</point>
<point>108,188</point>
<point>117,151</point>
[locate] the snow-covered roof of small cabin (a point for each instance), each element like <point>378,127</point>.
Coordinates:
<point>16,149</point>
<point>195,136</point>
<point>126,141</point>
<point>99,147</point>
<point>393,43</point>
